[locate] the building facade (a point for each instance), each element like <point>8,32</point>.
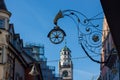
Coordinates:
<point>111,69</point>
<point>14,63</point>
<point>65,64</point>
<point>36,51</point>
<point>9,57</point>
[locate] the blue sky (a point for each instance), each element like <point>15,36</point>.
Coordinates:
<point>33,19</point>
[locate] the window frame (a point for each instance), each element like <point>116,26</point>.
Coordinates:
<point>2,23</point>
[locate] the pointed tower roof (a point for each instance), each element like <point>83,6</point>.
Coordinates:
<point>3,7</point>
<point>65,48</point>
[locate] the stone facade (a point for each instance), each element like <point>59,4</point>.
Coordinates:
<point>111,69</point>
<point>15,64</point>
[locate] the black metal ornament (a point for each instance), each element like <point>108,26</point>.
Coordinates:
<point>56,35</point>
<point>89,34</point>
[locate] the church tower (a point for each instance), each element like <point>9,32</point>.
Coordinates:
<point>65,64</point>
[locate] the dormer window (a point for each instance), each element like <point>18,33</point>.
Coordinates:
<point>2,23</point>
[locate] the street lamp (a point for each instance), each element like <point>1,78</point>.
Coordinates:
<point>89,34</point>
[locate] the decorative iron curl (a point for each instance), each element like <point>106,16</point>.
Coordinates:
<point>89,34</point>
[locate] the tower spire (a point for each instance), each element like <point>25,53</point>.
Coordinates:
<point>3,8</point>
<point>2,5</point>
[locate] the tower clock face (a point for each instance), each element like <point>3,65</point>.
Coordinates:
<point>65,73</point>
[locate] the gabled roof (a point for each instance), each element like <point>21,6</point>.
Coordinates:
<point>17,54</point>
<point>27,57</point>
<point>11,29</point>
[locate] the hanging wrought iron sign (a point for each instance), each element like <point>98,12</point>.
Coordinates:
<point>89,34</point>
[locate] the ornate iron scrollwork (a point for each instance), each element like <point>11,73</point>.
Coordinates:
<point>89,34</point>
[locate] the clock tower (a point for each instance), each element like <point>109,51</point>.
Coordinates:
<point>65,64</point>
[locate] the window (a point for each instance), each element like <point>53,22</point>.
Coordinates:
<point>2,23</point>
